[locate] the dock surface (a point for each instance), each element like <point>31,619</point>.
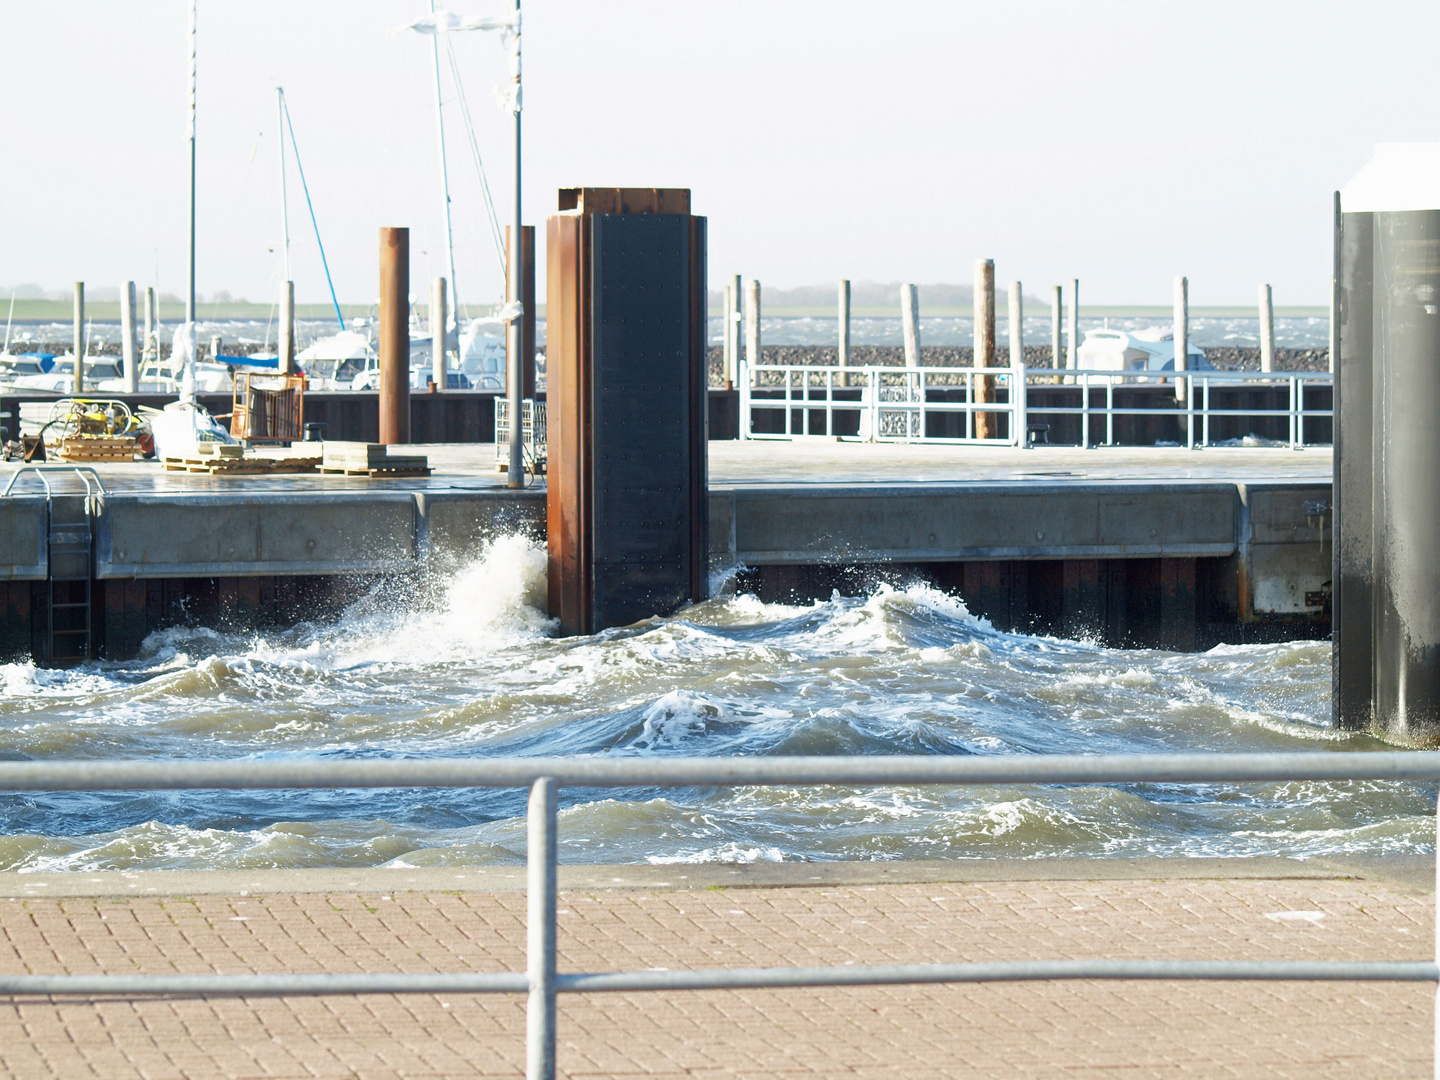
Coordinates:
<point>613,918</point>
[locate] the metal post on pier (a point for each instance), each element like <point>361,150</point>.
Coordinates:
<point>1267,330</point>
<point>394,343</point>
<point>437,333</point>
<point>842,349</point>
<point>1017,366</point>
<point>985,426</point>
<point>1182,340</point>
<point>285,350</point>
<point>910,323</point>
<point>1056,298</point>
<point>128,352</point>
<point>78,382</point>
<point>151,331</point>
<point>540,873</point>
<point>1072,358</point>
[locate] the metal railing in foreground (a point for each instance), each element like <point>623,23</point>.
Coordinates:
<point>910,404</point>
<point>544,777</point>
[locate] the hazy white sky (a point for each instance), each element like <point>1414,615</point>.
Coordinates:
<point>1120,141</point>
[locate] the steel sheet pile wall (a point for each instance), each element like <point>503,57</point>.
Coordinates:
<point>625,344</point>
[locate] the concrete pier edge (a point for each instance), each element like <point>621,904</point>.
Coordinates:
<point>1410,872</point>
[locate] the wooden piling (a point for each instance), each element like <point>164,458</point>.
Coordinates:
<point>1182,335</point>
<point>1072,347</point>
<point>986,424</point>
<point>910,323</point>
<point>1056,301</point>
<point>727,357</point>
<point>438,318</point>
<point>394,336</point>
<point>285,349</point>
<point>734,320</point>
<point>78,382</point>
<point>842,354</point>
<point>1017,363</point>
<point>1267,330</point>
<point>128,351</point>
<point>752,324</point>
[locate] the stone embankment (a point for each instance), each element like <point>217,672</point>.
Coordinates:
<point>1225,358</point>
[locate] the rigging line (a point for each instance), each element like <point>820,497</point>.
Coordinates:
<point>311,207</point>
<point>475,153</point>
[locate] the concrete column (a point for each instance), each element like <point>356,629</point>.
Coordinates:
<point>286,347</point>
<point>438,319</point>
<point>842,313</point>
<point>1267,330</point>
<point>1072,360</point>
<point>910,323</point>
<point>394,337</point>
<point>1056,304</point>
<point>1181,333</point>
<point>986,426</point>
<point>78,382</point>
<point>128,351</point>
<point>752,323</point>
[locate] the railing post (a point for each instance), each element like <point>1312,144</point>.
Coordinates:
<point>1084,381</point>
<point>540,931</point>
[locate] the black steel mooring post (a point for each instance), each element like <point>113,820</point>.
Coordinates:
<point>1387,489</point>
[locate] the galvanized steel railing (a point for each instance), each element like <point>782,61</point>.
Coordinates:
<point>544,777</point>
<point>894,404</point>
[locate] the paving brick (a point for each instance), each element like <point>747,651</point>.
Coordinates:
<point>1028,1030</point>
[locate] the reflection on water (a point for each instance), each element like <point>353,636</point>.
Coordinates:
<point>472,670</point>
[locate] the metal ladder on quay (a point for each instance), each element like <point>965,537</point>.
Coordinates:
<point>70,565</point>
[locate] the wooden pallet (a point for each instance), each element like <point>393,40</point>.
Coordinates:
<point>97,448</point>
<point>377,474</point>
<point>244,466</point>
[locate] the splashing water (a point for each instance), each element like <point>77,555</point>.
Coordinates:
<point>470,667</point>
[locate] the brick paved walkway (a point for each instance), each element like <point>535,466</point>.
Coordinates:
<point>1021,1030</point>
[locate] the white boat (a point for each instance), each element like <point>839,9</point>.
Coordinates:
<point>60,377</point>
<point>17,366</point>
<point>160,377</point>
<point>482,354</point>
<point>1151,349</point>
<point>334,362</point>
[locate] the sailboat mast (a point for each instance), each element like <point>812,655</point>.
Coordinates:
<point>190,293</point>
<point>284,202</point>
<point>444,178</point>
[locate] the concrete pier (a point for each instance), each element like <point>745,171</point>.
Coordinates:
<point>1143,546</point>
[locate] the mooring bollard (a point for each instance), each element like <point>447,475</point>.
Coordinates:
<point>842,350</point>
<point>438,318</point>
<point>1072,359</point>
<point>1181,336</point>
<point>128,351</point>
<point>285,349</point>
<point>1267,330</point>
<point>394,336</point>
<point>910,323</point>
<point>983,386</point>
<point>78,382</point>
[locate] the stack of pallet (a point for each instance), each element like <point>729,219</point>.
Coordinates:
<point>96,448</point>
<point>372,460</point>
<point>230,459</point>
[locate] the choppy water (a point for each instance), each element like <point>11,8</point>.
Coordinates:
<point>474,670</point>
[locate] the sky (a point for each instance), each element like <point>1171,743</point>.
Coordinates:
<point>1122,142</point>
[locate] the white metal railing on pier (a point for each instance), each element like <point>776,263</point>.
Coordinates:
<point>940,404</point>
<point>541,980</point>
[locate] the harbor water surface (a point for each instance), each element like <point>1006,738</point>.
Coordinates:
<point>469,666</point>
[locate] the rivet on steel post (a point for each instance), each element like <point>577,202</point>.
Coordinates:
<point>540,931</point>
